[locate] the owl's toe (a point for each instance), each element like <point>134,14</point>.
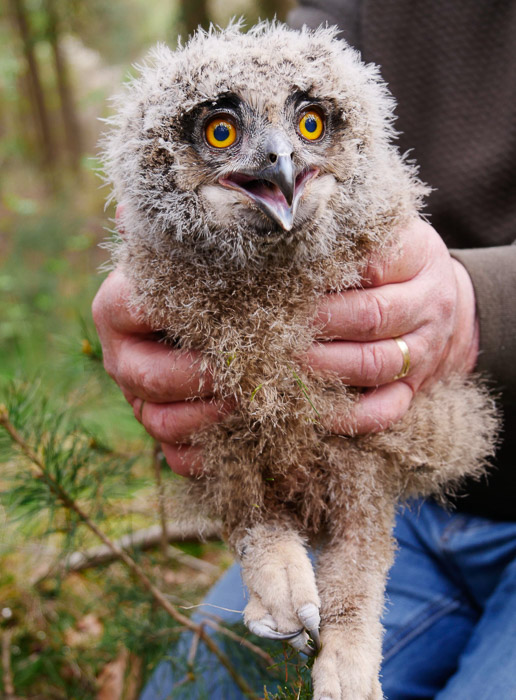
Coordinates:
<point>263,628</point>
<point>345,668</point>
<point>260,622</point>
<point>311,619</point>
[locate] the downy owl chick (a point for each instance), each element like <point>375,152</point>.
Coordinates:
<point>257,172</point>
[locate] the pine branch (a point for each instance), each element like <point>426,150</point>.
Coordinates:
<point>144,539</point>
<point>132,565</point>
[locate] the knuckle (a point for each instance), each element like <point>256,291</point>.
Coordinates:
<point>442,318</point>
<point>110,366</point>
<point>144,379</point>
<point>375,272</point>
<point>106,295</point>
<point>427,345</point>
<point>163,424</point>
<point>155,420</point>
<point>372,364</point>
<point>434,244</point>
<point>374,315</point>
<point>124,371</point>
<point>447,305</point>
<point>97,308</point>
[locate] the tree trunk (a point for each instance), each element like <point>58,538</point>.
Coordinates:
<point>39,107</point>
<point>193,14</point>
<point>71,123</point>
<point>275,8</point>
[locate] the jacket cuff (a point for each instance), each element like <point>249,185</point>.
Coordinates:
<point>493,273</point>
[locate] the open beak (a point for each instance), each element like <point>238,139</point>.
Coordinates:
<point>274,188</point>
<point>277,195</point>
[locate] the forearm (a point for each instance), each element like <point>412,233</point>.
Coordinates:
<point>493,273</point>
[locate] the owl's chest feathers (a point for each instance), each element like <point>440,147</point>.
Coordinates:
<point>251,327</point>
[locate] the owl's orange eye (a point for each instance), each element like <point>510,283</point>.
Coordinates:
<point>311,125</point>
<point>220,132</point>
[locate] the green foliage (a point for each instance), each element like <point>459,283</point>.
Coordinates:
<point>119,29</point>
<point>66,410</point>
<point>73,457</point>
<point>49,452</point>
<point>296,684</point>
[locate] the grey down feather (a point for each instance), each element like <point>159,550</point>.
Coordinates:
<point>216,274</point>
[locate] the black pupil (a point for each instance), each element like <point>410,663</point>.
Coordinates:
<point>311,124</point>
<point>221,132</point>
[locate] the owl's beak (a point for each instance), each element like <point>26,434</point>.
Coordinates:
<point>276,196</point>
<point>275,189</point>
<point>281,172</point>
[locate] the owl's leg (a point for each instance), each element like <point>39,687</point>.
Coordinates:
<point>283,599</point>
<point>351,579</point>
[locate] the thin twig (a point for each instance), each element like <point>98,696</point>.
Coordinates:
<point>241,640</point>
<point>304,390</point>
<point>187,678</point>
<point>144,539</point>
<point>181,557</point>
<point>156,463</point>
<point>193,649</point>
<point>134,678</point>
<point>7,676</point>
<point>158,596</point>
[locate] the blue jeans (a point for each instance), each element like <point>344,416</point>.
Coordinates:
<point>450,618</point>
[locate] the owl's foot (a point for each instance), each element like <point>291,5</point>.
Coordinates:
<point>283,599</point>
<point>263,624</point>
<point>345,671</point>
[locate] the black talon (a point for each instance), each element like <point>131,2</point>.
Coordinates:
<point>316,638</point>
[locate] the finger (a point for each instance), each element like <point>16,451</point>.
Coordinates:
<point>406,258</point>
<point>402,294</point>
<point>112,308</point>
<point>374,314</point>
<point>177,422</point>
<point>128,396</point>
<point>376,410</point>
<point>184,460</point>
<point>157,373</point>
<point>362,364</point>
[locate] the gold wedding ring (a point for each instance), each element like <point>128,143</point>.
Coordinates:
<point>406,358</point>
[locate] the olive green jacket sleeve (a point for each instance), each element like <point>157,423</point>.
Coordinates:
<point>493,273</point>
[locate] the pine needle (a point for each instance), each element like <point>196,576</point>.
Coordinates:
<point>303,388</point>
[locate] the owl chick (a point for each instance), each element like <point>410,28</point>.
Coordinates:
<point>257,172</point>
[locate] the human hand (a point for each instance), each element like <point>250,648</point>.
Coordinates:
<point>162,384</point>
<point>424,296</point>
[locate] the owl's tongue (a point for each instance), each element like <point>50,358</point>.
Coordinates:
<point>274,201</point>
<point>272,197</point>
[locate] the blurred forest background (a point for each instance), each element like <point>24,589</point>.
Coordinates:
<point>81,618</point>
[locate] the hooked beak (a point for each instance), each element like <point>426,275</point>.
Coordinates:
<point>274,188</point>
